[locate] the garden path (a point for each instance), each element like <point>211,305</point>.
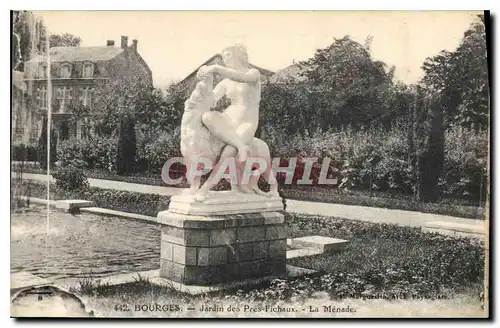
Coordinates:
<point>350,212</point>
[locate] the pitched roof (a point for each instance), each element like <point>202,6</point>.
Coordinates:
<point>218,56</point>
<point>70,54</point>
<point>290,73</point>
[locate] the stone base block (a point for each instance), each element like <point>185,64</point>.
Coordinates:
<point>303,252</point>
<point>455,234</point>
<point>71,205</point>
<point>326,244</point>
<point>207,250</point>
<point>473,228</point>
<point>225,202</point>
<point>218,274</point>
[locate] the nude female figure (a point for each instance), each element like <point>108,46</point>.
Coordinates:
<point>236,126</point>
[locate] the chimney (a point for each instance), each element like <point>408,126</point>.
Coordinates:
<point>110,43</point>
<point>124,42</point>
<point>134,45</point>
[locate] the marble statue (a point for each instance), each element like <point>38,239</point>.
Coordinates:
<point>229,134</point>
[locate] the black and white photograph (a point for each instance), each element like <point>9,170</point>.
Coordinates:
<point>250,164</point>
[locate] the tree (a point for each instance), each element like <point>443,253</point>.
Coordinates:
<point>119,96</point>
<point>431,156</point>
<point>154,110</point>
<point>28,39</point>
<point>29,36</point>
<point>461,77</point>
<point>349,87</point>
<point>64,40</point>
<point>286,107</point>
<point>127,148</point>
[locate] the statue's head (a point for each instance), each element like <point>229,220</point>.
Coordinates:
<point>235,56</point>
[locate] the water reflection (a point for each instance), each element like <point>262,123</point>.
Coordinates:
<point>78,245</point>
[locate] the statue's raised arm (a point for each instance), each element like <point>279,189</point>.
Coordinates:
<point>235,127</point>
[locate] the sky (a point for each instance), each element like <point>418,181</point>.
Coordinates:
<point>174,43</point>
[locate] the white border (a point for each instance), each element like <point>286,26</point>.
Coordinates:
<point>254,5</point>
<point>184,5</point>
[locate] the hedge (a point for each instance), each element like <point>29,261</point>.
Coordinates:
<point>24,153</point>
<point>119,200</point>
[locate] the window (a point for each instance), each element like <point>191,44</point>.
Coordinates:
<point>85,128</point>
<point>88,70</point>
<point>64,98</point>
<point>86,97</point>
<point>19,124</point>
<point>66,71</point>
<point>42,71</point>
<point>64,130</point>
<point>34,135</point>
<point>34,132</point>
<point>41,95</point>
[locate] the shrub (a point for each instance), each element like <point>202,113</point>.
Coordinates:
<point>70,178</point>
<point>155,149</point>
<point>381,158</point>
<point>132,202</point>
<point>119,200</point>
<point>24,152</point>
<point>465,162</point>
<point>93,153</point>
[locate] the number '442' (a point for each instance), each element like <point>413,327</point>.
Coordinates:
<point>121,307</point>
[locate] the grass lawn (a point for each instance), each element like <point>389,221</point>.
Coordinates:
<point>385,270</point>
<point>401,268</point>
<point>142,299</point>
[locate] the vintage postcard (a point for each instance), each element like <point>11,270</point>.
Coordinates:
<point>250,164</point>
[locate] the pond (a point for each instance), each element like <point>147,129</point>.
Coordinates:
<point>79,245</point>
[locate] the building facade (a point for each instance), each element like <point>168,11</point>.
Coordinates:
<point>76,74</point>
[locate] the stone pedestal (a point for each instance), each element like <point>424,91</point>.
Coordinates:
<point>212,242</point>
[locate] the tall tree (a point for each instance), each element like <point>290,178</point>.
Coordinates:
<point>42,146</point>
<point>431,155</point>
<point>29,35</point>
<point>287,107</point>
<point>28,39</point>
<point>127,147</point>
<point>118,96</point>
<point>349,87</point>
<point>461,77</point>
<point>157,110</point>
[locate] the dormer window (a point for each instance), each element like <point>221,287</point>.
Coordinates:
<point>88,69</point>
<point>65,71</point>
